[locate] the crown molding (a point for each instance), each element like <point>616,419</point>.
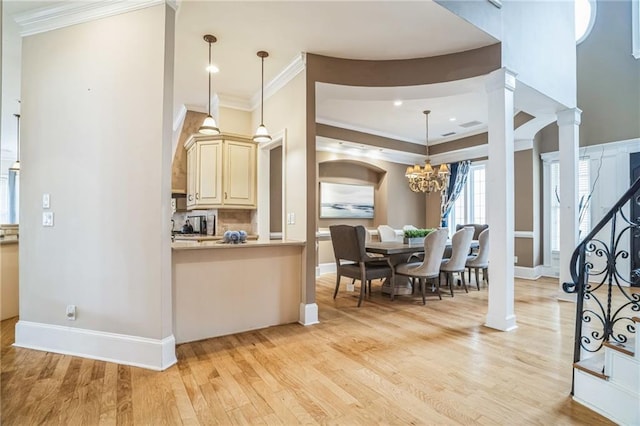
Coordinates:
<point>235,102</point>
<point>65,14</point>
<point>360,129</point>
<point>295,67</point>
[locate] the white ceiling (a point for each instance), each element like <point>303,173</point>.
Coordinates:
<point>349,29</point>
<point>357,30</point>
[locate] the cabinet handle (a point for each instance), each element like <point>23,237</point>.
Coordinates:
<point>225,195</point>
<point>190,197</point>
<point>197,196</point>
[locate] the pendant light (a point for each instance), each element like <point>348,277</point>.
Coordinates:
<point>262,134</point>
<point>209,126</point>
<point>15,167</point>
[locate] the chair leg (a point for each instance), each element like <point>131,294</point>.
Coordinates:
<point>434,288</point>
<point>423,284</point>
<point>464,284</point>
<point>477,271</point>
<point>363,286</point>
<point>485,274</point>
<point>450,282</point>
<point>335,292</point>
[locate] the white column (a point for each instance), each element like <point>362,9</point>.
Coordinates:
<point>500,86</point>
<point>568,139</point>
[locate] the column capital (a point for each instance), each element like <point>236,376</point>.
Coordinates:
<point>500,79</point>
<point>569,117</point>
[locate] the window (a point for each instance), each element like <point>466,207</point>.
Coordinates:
<point>470,207</point>
<point>584,189</point>
<point>585,13</point>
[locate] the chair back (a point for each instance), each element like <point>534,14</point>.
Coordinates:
<point>477,229</point>
<point>348,242</point>
<point>434,245</point>
<point>460,245</point>
<point>483,249</point>
<point>386,233</point>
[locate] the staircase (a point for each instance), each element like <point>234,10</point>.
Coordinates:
<point>609,383</point>
<point>606,369</point>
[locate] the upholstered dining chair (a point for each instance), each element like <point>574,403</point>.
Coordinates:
<point>386,233</point>
<point>429,268</point>
<point>477,229</point>
<point>460,244</point>
<point>352,260</point>
<point>481,259</point>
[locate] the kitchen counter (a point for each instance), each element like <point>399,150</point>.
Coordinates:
<point>218,244</point>
<point>199,237</point>
<point>221,289</point>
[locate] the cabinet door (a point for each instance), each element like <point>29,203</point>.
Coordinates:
<point>191,176</point>
<point>240,174</point>
<point>209,173</point>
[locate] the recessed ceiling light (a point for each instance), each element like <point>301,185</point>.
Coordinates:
<point>397,103</point>
<point>452,119</point>
<point>213,69</point>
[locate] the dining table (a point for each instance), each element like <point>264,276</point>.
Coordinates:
<point>399,252</point>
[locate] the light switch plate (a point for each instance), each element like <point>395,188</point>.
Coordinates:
<point>47,218</point>
<point>46,201</point>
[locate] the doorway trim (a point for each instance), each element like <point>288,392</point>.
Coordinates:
<point>264,172</point>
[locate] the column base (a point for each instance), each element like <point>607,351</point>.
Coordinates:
<point>308,314</point>
<point>501,323</point>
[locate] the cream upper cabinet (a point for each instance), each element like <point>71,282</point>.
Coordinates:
<point>221,172</point>
<point>240,173</point>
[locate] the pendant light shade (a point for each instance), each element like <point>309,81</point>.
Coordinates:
<point>262,134</point>
<point>209,126</point>
<point>15,167</point>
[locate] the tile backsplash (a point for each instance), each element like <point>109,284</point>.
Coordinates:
<point>225,220</point>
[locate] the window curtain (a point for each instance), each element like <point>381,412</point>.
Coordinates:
<point>457,180</point>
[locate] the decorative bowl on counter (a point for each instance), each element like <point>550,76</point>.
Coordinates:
<point>234,237</point>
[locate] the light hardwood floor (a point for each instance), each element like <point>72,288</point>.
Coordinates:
<point>384,363</point>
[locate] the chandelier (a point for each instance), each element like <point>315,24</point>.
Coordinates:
<point>427,179</point>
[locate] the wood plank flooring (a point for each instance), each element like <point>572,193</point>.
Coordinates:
<point>384,363</point>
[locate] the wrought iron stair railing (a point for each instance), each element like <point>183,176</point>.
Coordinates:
<point>607,299</point>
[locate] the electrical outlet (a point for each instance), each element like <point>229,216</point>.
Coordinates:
<point>515,259</point>
<point>46,201</point>
<point>71,312</point>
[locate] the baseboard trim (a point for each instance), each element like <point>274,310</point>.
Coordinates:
<point>527,273</point>
<point>507,323</point>
<point>326,268</point>
<point>153,354</point>
<point>308,314</point>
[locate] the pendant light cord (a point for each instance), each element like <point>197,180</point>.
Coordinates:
<point>262,95</point>
<point>427,135</point>
<point>209,72</point>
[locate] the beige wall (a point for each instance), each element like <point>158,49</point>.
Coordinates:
<point>523,249</point>
<point>96,133</point>
<point>395,204</point>
<point>235,121</point>
<point>537,41</point>
<point>609,78</point>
